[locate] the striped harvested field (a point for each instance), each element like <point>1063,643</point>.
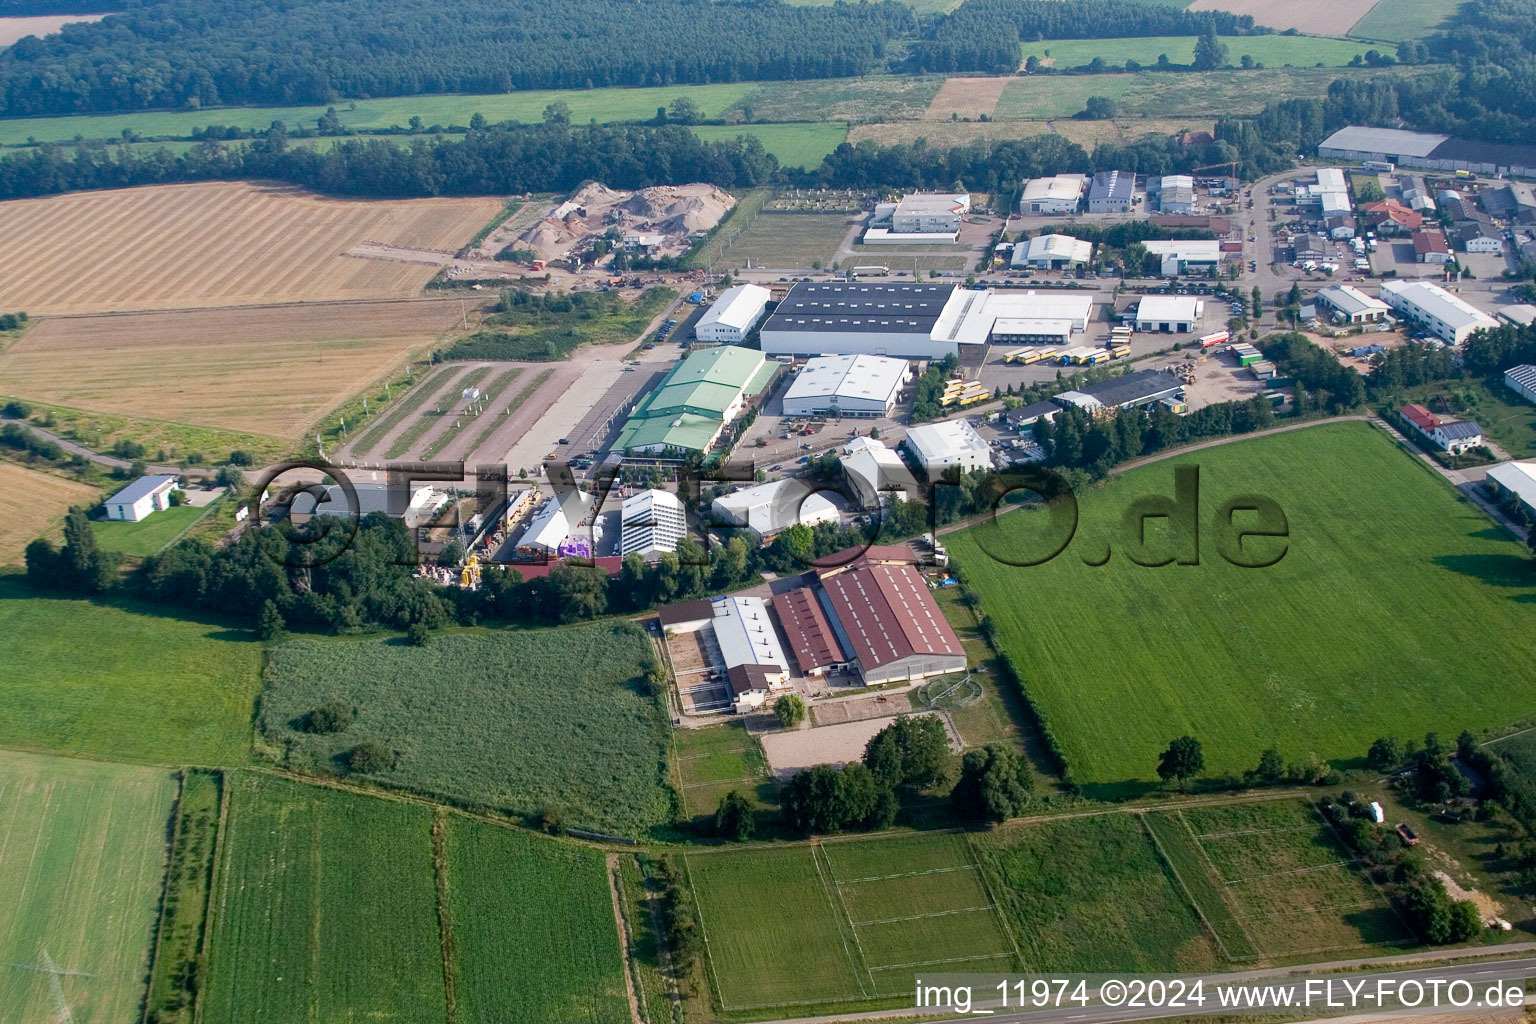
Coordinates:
<point>215,244</point>
<point>33,504</point>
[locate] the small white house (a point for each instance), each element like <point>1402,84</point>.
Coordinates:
<point>143,497</point>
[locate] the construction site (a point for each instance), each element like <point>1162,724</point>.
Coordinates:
<point>663,221</point>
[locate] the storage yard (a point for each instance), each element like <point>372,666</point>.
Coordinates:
<point>675,213</point>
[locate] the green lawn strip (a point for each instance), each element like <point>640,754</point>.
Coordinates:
<point>534,935</point>
<point>1269,50</point>
<point>511,407</point>
<point>84,868</point>
<point>1396,20</point>
<point>427,420</point>
<point>583,739</point>
<point>1179,849</point>
<point>407,404</point>
<point>795,145</point>
<point>325,909</point>
<point>1246,659</point>
<point>99,431</point>
<point>112,678</point>
<point>174,976</point>
<point>488,395</point>
<point>644,950</point>
<point>149,535</point>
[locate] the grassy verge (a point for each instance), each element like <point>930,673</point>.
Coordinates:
<point>408,437</point>
<point>147,536</point>
<point>164,441</point>
<point>1175,843</point>
<point>511,407</point>
<point>178,966</point>
<point>511,207</point>
<point>713,246</point>
<point>539,328</point>
<point>488,395</point>
<point>407,400</point>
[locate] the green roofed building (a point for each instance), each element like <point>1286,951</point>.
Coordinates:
<point>697,399</point>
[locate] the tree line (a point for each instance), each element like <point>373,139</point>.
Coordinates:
<point>204,53</point>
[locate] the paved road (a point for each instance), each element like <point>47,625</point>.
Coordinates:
<point>108,461</point>
<point>1478,973</point>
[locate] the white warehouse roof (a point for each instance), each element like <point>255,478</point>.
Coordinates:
<point>946,441</point>
<point>1170,308</point>
<point>1383,140</point>
<point>1449,309</point>
<point>1518,478</point>
<point>1052,247</point>
<point>971,320</point>
<point>737,307</point>
<point>1061,187</point>
<point>745,633</point>
<point>1197,249</point>
<point>775,506</point>
<point>1351,301</point>
<point>871,378</point>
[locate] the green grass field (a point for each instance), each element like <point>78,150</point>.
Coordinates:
<point>184,910</point>
<point>1269,50</point>
<point>324,909</point>
<point>1508,420</point>
<point>871,98</point>
<point>148,535</point>
<point>796,145</point>
<point>123,681</point>
<point>712,762</point>
<point>789,240</point>
<point>533,932</point>
<point>81,861</point>
<point>844,920</point>
<point>512,719</point>
<point>1364,628</point>
<point>1283,876</point>
<point>1089,894</point>
<point>1396,20</point>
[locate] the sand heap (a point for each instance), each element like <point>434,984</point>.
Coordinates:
<point>676,211</point>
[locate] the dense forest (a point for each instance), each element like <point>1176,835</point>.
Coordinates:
<point>34,8</point>
<point>205,53</point>
<point>984,35</point>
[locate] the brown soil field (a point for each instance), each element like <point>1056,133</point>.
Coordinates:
<point>269,370</point>
<point>33,504</point>
<point>967,97</point>
<point>1314,17</point>
<point>215,244</point>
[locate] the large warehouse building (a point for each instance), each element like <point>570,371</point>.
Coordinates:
<point>874,471</point>
<point>695,401</point>
<point>1054,196</point>
<point>733,315</point>
<point>860,385</point>
<point>1429,151</point>
<point>949,444</point>
<point>1169,314</point>
<point>1446,316</point>
<point>1112,192</point>
<point>884,616</point>
<point>1052,252</point>
<point>917,321</point>
<point>774,507</point>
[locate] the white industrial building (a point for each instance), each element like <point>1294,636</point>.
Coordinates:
<point>1522,381</point>
<point>145,496</point>
<point>923,217</point>
<point>916,321</point>
<point>1054,196</point>
<point>849,385</point>
<point>1352,304</point>
<point>555,522</point>
<point>774,507</point>
<point>1514,482</point>
<point>948,444</point>
<point>1519,315</point>
<point>1429,151</point>
<point>733,315</point>
<point>1169,314</point>
<point>747,642</point>
<point>1052,252</point>
<point>1175,194</point>
<point>1112,192</point>
<point>874,471</point>
<point>651,524</point>
<point>1183,255</point>
<point>1446,316</point>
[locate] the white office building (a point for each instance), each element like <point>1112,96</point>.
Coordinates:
<point>847,385</point>
<point>651,524</point>
<point>1446,316</point>
<point>948,444</point>
<point>1169,314</point>
<point>875,471</point>
<point>733,315</point>
<point>1054,196</point>
<point>1185,255</point>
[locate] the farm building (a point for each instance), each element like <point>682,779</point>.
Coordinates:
<point>733,315</point>
<point>812,641</point>
<point>1182,256</point>
<point>1522,381</point>
<point>1351,305</point>
<point>1514,201</point>
<point>948,444</point>
<point>915,321</point>
<point>1447,317</point>
<point>884,616</point>
<point>1125,392</point>
<point>416,505</point>
<point>1431,247</point>
<point>1428,151</point>
<point>144,497</point>
<point>1169,314</point>
<point>1112,192</point>
<point>748,644</point>
<point>773,507</point>
<point>696,400</point>
<point>1515,482</point>
<point>1028,415</point>
<point>1052,252</point>
<point>1172,193</point>
<point>848,385</point>
<point>1054,196</point>
<point>651,524</point>
<point>1416,194</point>
<point>1446,433</point>
<point>874,470</point>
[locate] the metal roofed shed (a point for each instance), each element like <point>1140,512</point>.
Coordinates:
<point>1132,389</point>
<point>1052,252</point>
<point>1520,314</point>
<point>415,505</point>
<point>888,621</point>
<point>1112,192</point>
<point>1429,151</point>
<point>1170,314</point>
<point>1352,304</point>
<point>1178,255</point>
<point>1514,481</point>
<point>144,497</point>
<point>949,443</point>
<point>873,471</point>
<point>812,641</point>
<point>1055,195</point>
<point>846,385</point>
<point>733,315</point>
